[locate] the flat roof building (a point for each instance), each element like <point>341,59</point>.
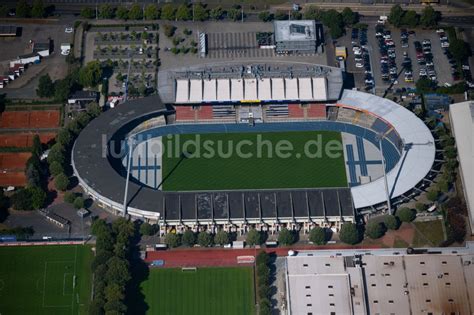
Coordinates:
<point>8,30</point>
<point>462,126</point>
<point>302,36</point>
<point>382,281</point>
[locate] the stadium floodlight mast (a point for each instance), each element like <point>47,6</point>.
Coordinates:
<point>131,142</point>
<point>379,137</point>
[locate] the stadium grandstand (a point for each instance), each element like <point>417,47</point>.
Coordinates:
<point>387,152</point>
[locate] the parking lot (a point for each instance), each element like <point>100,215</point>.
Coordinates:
<point>393,59</point>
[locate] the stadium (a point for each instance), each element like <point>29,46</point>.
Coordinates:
<point>147,158</point>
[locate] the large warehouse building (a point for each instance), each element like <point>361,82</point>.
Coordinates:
<point>462,126</point>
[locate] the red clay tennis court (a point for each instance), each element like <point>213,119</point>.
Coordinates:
<point>13,179</point>
<point>13,161</point>
<point>30,119</point>
<point>23,140</point>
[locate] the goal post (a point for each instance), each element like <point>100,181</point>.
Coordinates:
<point>189,269</point>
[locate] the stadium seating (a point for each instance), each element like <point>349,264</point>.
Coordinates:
<point>184,113</point>
<point>205,112</point>
<point>346,114</point>
<point>380,126</point>
<point>223,112</point>
<point>364,120</point>
<point>332,113</point>
<point>295,111</point>
<point>276,110</point>
<point>316,111</point>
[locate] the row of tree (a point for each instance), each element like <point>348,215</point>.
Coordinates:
<point>336,21</point>
<point>111,267</point>
<point>24,10</point>
<point>170,12</point>
<point>34,195</point>
<point>88,76</point>
<point>262,265</point>
<point>399,17</point>
<point>203,239</point>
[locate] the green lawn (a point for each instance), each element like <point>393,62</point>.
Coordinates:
<point>429,233</point>
<point>39,279</point>
<point>259,167</point>
<point>206,291</point>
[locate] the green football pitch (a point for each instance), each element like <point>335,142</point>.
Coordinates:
<point>45,279</point>
<point>308,159</point>
<point>205,291</point>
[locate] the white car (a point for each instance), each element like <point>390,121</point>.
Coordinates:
<point>439,30</point>
<point>65,52</point>
<point>359,65</point>
<point>68,30</point>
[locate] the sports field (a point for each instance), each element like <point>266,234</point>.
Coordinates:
<point>213,163</point>
<point>205,291</point>
<point>45,279</point>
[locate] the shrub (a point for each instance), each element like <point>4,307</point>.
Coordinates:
<point>221,238</point>
<point>391,222</point>
<point>349,233</point>
<point>204,239</point>
<point>78,203</point>
<point>169,30</point>
<point>146,229</point>
<point>69,197</point>
<point>406,214</point>
<point>61,182</point>
<point>254,237</point>
<point>55,168</point>
<point>172,240</point>
<point>317,236</point>
<point>374,229</point>
<point>188,238</point>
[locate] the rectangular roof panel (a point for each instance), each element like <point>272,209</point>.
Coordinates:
<point>320,91</point>
<point>250,89</point>
<point>195,92</point>
<point>264,89</point>
<point>236,89</point>
<point>210,90</point>
<point>182,91</point>
<point>278,89</point>
<point>305,88</point>
<point>223,89</point>
<point>291,89</point>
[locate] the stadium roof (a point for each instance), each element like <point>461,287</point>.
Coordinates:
<point>417,157</point>
<point>272,81</point>
<point>462,118</point>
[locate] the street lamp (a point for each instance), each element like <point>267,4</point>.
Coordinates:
<point>379,137</point>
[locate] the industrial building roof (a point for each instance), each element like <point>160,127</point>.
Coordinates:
<point>462,118</point>
<point>302,30</point>
<point>8,30</point>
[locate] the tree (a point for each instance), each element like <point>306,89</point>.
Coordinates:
<point>169,30</point>
<point>317,235</point>
<point>296,15</point>
<point>38,197</point>
<point>391,222</point>
<point>136,12</point>
<point>420,207</point>
<point>172,240</point>
<point>62,88</point>
<point>200,13</point>
<point>114,292</point>
<point>56,153</point>
<point>64,137</point>
<point>146,229</point>
<point>432,195</point>
<point>281,15</point>
<point>204,239</point>
<point>183,13</point>
<point>221,238</point>
<point>3,10</point>
<point>69,197</point>
<point>459,49</point>
<point>78,203</point>
<point>93,109</point>
<point>21,200</point>
<point>61,182</point>
<point>36,148</point>
<point>333,20</point>
<point>33,175</point>
<point>22,9</point>
<point>91,74</point>
<point>234,14</point>
<point>152,12</point>
<point>216,13</point>
<point>106,11</point>
<point>349,233</point>
<point>188,238</point>
<point>254,237</point>
<point>396,15</point>
<point>37,10</point>
<point>168,12</point>
<point>374,229</point>
<point>443,185</point>
<point>429,17</point>
<point>312,12</point>
<point>410,18</point>
<point>349,17</point>
<point>286,237</point>
<point>406,214</point>
<point>45,86</point>
<point>122,13</point>
<point>87,13</point>
<point>265,16</point>
<point>117,271</point>
<point>424,85</point>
